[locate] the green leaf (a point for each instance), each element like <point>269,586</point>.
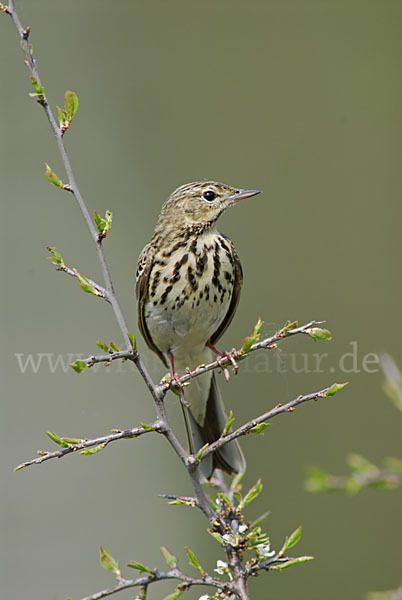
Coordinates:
<point>225,499</point>
<point>38,89</point>
<point>61,114</point>
<point>182,502</point>
<point>290,541</point>
<point>289,325</point>
<point>251,494</point>
<point>56,257</point>
<point>18,468</point>
<point>256,537</point>
<point>103,225</point>
<point>194,562</point>
<point>102,346</point>
<point>199,454</point>
<point>94,450</point>
<point>72,441</point>
<point>52,177</point>
<point>132,341</point>
<point>335,387</point>
<point>260,428</point>
<point>175,594</point>
<point>393,463</point>
<point>217,537</point>
<point>98,221</point>
<point>141,568</point>
<point>260,520</point>
<point>235,485</point>
<point>56,439</point>
<point>79,366</point>
<point>253,338</point>
<point>317,333</point>
<point>352,485</point>
<point>290,563</point>
<point>171,560</point>
<point>146,426</point>
<point>358,463</point>
<point>228,424</point>
<point>114,347</point>
<point>108,562</point>
<point>317,480</point>
<point>64,442</point>
<point>85,285</point>
<point>70,104</point>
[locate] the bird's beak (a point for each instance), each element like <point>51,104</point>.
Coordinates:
<point>242,194</point>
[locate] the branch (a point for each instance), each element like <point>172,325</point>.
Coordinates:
<point>97,237</point>
<point>101,291</point>
<point>156,575</point>
<point>225,519</point>
<point>72,184</point>
<point>269,343</point>
<point>277,410</point>
<point>71,445</point>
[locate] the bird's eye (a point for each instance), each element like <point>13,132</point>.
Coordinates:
<point>209,195</point>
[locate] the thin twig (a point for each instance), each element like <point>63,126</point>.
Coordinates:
<point>157,394</point>
<point>72,184</point>
<point>157,575</point>
<point>268,343</point>
<point>89,443</point>
<point>247,427</point>
<point>102,292</point>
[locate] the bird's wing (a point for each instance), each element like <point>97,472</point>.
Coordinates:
<point>144,268</point>
<point>238,281</point>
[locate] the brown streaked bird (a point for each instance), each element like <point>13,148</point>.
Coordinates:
<point>188,286</point>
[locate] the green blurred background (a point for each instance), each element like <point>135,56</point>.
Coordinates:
<point>301,99</point>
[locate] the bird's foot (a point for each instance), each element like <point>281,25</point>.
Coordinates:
<point>232,355</point>
<point>221,356</point>
<point>178,387</point>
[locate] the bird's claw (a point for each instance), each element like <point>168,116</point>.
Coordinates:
<point>231,357</point>
<point>176,382</point>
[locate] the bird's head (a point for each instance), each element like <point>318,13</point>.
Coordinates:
<point>201,203</point>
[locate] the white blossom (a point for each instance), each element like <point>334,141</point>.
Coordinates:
<point>221,567</point>
<point>264,550</point>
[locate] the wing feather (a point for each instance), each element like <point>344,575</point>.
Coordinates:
<point>144,269</point>
<point>238,282</point>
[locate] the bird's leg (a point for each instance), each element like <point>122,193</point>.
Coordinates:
<point>220,355</point>
<point>175,377</point>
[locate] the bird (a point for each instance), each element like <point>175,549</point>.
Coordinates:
<point>188,284</point>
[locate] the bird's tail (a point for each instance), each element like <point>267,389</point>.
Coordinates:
<point>229,457</point>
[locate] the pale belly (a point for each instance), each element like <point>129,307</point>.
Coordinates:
<point>188,301</point>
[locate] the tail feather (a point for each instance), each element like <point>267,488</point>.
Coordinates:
<point>229,457</point>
